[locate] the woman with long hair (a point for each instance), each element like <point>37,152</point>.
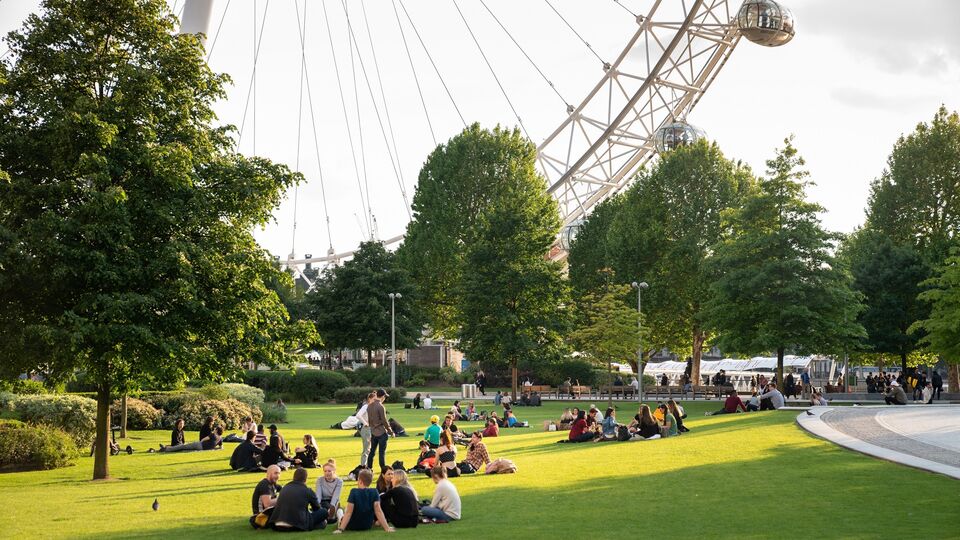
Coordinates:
<point>645,425</point>
<point>678,414</point>
<point>399,503</point>
<point>306,455</point>
<point>385,481</point>
<point>447,454</point>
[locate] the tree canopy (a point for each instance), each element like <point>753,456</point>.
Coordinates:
<point>779,286</point>
<point>125,231</point>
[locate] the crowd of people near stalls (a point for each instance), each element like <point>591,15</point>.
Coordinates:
<point>924,387</point>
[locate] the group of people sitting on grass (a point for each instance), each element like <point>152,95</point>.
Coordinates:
<point>393,502</point>
<point>590,426</point>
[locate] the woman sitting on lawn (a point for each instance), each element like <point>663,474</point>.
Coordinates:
<point>644,426</point>
<point>493,430</point>
<point>385,481</point>
<point>566,419</point>
<point>579,431</point>
<point>427,458</point>
<point>678,414</point>
<point>669,427</point>
<point>306,456</point>
<point>472,413</point>
<point>273,455</point>
<point>447,454</point>
<point>609,425</point>
<point>399,503</point>
<point>510,419</point>
<point>329,487</point>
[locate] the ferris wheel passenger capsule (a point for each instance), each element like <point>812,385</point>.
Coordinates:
<point>676,134</point>
<point>569,233</point>
<point>766,22</point>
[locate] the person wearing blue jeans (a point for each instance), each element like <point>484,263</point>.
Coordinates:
<point>445,505</point>
<point>380,429</point>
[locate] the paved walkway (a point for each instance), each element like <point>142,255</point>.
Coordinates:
<point>922,436</point>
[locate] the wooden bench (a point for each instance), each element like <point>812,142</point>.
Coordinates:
<point>576,390</point>
<point>709,391</point>
<point>619,391</point>
<point>541,388</point>
<point>660,391</point>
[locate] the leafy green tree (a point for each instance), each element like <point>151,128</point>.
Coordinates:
<point>350,306</point>
<point>512,298</point>
<point>458,185</point>
<point>942,334</point>
<point>664,232</point>
<point>588,261</point>
<point>779,286</point>
<point>888,277</point>
<point>125,230</point>
<point>605,327</point>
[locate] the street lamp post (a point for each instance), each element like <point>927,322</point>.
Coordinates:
<point>639,287</point>
<point>393,339</point>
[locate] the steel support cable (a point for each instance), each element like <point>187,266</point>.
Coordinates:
<point>217,34</point>
<point>253,76</point>
<point>416,79</point>
<point>356,99</point>
<point>256,54</point>
<point>434,64</point>
<point>386,109</point>
<point>492,72</point>
<point>572,29</point>
<point>628,10</point>
<point>525,55</point>
<point>305,76</point>
<point>343,105</point>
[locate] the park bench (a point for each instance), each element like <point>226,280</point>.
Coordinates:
<point>618,391</point>
<point>577,391</point>
<point>543,389</point>
<point>663,391</point>
<point>711,391</point>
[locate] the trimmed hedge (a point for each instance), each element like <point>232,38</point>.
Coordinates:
<point>252,396</point>
<point>227,412</point>
<point>274,415</point>
<point>170,402</point>
<point>301,386</point>
<point>73,414</point>
<point>23,446</point>
<point>140,414</point>
<point>354,394</point>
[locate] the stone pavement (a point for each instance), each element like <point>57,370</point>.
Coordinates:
<point>922,436</point>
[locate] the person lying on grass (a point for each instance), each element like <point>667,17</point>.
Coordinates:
<point>297,507</point>
<point>246,456</point>
<point>399,502</point>
<point>265,494</point>
<point>477,456</point>
<point>445,505</point>
<point>328,490</point>
<point>644,425</point>
<point>397,429</point>
<point>209,442</point>
<point>363,507</point>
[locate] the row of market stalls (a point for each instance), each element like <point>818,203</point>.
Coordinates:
<point>740,371</point>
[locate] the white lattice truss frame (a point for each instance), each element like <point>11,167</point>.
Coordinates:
<point>601,144</point>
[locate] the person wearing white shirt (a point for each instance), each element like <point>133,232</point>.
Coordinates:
<point>365,428</point>
<point>635,383</point>
<point>428,402</point>
<point>445,505</point>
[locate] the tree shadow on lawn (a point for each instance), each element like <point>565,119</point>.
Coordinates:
<point>169,492</point>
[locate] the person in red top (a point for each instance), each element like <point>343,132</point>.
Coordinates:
<point>579,432</point>
<point>493,430</point>
<point>731,405</point>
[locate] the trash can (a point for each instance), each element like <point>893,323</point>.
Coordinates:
<point>468,391</point>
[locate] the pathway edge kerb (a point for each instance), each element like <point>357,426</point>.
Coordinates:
<point>817,427</point>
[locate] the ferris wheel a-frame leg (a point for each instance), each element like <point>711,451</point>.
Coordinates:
<point>196,17</point>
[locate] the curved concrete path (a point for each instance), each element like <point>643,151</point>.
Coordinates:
<point>922,436</point>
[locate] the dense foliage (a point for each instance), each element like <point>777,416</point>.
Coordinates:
<point>24,446</point>
<point>354,394</point>
<point>140,414</point>
<point>300,386</point>
<point>75,415</point>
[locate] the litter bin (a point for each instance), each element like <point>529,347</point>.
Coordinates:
<point>468,391</point>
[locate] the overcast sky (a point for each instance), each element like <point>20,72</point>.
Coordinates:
<point>858,74</point>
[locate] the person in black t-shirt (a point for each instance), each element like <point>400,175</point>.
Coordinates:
<point>273,455</point>
<point>207,443</point>
<point>206,428</point>
<point>363,506</point>
<point>265,494</point>
<point>245,456</point>
<point>176,436</point>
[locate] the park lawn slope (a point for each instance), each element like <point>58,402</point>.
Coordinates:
<point>744,476</point>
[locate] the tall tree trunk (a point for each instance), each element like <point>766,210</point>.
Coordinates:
<point>123,417</point>
<point>903,365</point>
<point>953,377</point>
<point>610,384</point>
<point>698,338</point>
<point>513,381</point>
<point>780,367</point>
<point>101,467</point>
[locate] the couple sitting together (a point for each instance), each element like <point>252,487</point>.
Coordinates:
<point>644,426</point>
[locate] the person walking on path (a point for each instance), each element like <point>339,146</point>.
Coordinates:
<point>379,429</point>
<point>363,416</point>
<point>805,382</point>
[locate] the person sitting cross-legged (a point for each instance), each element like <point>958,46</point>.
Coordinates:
<point>209,442</point>
<point>445,505</point>
<point>895,395</point>
<point>447,454</point>
<point>265,494</point>
<point>477,456</point>
<point>492,429</point>
<point>273,455</point>
<point>328,491</point>
<point>432,433</point>
<point>245,456</point>
<point>579,432</point>
<point>772,399</point>
<point>644,425</point>
<point>306,455</point>
<point>363,507</point>
<point>297,507</point>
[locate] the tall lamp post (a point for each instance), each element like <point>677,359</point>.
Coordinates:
<point>393,338</point>
<point>639,287</point>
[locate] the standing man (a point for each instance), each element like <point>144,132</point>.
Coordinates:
<point>805,382</point>
<point>363,416</point>
<point>481,382</point>
<point>937,381</point>
<point>379,429</point>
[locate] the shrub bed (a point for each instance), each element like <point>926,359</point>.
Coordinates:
<point>303,385</point>
<point>227,412</point>
<point>252,396</point>
<point>274,415</point>
<point>23,446</point>
<point>354,394</point>
<point>73,414</point>
<point>140,414</point>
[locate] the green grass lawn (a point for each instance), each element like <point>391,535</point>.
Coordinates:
<point>744,476</point>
